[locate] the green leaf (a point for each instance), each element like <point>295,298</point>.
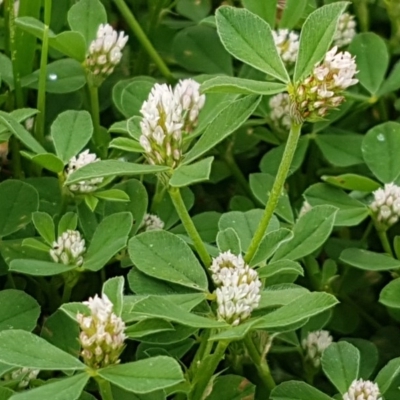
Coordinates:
<point>269,244</point>
<point>195,10</point>
<point>369,356</point>
<point>19,115</point>
<point>109,238</point>
<point>144,376</point>
<point>392,83</point>
<point>68,221</point>
<point>380,147</point>
<point>112,195</point>
<point>24,349</point>
<point>227,121</point>
<point>38,267</point>
<point>232,387</point>
<point>249,39</point>
<point>316,37</point>
<point>18,201</point>
<point>297,390</point>
<point>227,84</point>
<point>148,327</point>
<point>186,175</point>
<point>62,389</point>
<point>388,374</point>
<point>228,239</point>
<point>341,364</point>
<point>46,160</point>
<point>114,289</point>
<point>368,47</point>
<point>18,310</point>
<point>165,256</point>
<point>198,49</point>
<point>72,44</point>
<point>264,9</point>
<point>389,295</point>
<point>369,260</point>
<point>85,16</point>
<point>350,211</point>
<point>133,96</point>
<point>109,168</point>
<point>126,144</point>
<point>352,182</point>
<point>293,12</point>
<point>280,295</point>
<point>21,133</point>
<point>45,226</point>
<point>5,393</point>
<point>71,131</point>
<point>280,267</point>
<point>309,233</point>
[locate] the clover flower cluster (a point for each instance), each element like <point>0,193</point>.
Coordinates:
<point>238,287</point>
<point>345,31</point>
<point>323,89</point>
<point>69,248</point>
<point>386,204</point>
<point>362,390</point>
<point>23,375</point>
<point>168,114</point>
<point>105,52</point>
<point>102,333</point>
<point>287,43</point>
<point>80,161</point>
<point>152,222</point>
<point>314,345</point>
<point>280,111</point>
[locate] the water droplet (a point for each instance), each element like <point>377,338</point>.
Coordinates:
<point>52,77</point>
<point>381,137</point>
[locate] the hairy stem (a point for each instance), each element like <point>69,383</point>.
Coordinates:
<point>105,389</point>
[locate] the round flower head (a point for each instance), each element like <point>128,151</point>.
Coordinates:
<point>323,89</point>
<point>345,31</point>
<point>280,111</point>
<point>69,248</point>
<point>105,52</point>
<point>362,390</point>
<point>102,333</point>
<point>386,204</point>
<point>287,44</point>
<point>238,291</point>
<point>23,375</point>
<point>314,345</point>
<point>152,222</point>
<point>74,164</point>
<point>168,114</point>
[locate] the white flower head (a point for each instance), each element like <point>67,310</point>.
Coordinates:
<point>287,43</point>
<point>69,248</point>
<point>102,333</point>
<point>363,390</point>
<point>152,222</point>
<point>105,52</point>
<point>386,204</point>
<point>345,31</point>
<point>280,110</point>
<point>314,345</point>
<point>23,375</point>
<point>80,161</point>
<point>238,291</point>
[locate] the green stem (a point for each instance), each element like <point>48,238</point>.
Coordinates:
<point>385,242</point>
<point>201,352</point>
<point>143,39</point>
<point>206,371</point>
<point>189,226</point>
<point>260,363</point>
<point>276,190</point>
<point>95,112</point>
<point>105,389</point>
<point>66,296</point>
<point>158,196</point>
<point>41,100</point>
<point>361,8</point>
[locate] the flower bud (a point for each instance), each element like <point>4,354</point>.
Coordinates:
<point>69,249</point>
<point>314,345</point>
<point>345,31</point>
<point>362,390</point>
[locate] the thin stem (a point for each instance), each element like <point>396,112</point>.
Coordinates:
<point>189,226</point>
<point>200,353</point>
<point>105,389</point>
<point>158,196</point>
<point>95,112</point>
<point>361,8</point>
<point>385,242</point>
<point>206,371</point>
<point>66,296</point>
<point>276,190</point>
<point>41,100</point>
<point>143,39</point>
<point>260,363</point>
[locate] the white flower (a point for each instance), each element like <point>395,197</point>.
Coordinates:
<point>105,52</point>
<point>24,375</point>
<point>280,110</point>
<point>386,204</point>
<point>102,333</point>
<point>74,164</point>
<point>152,222</point>
<point>68,249</point>
<point>346,30</point>
<point>238,292</point>
<point>363,390</point>
<point>168,114</point>
<point>305,208</point>
<point>314,345</point>
<point>287,44</point>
